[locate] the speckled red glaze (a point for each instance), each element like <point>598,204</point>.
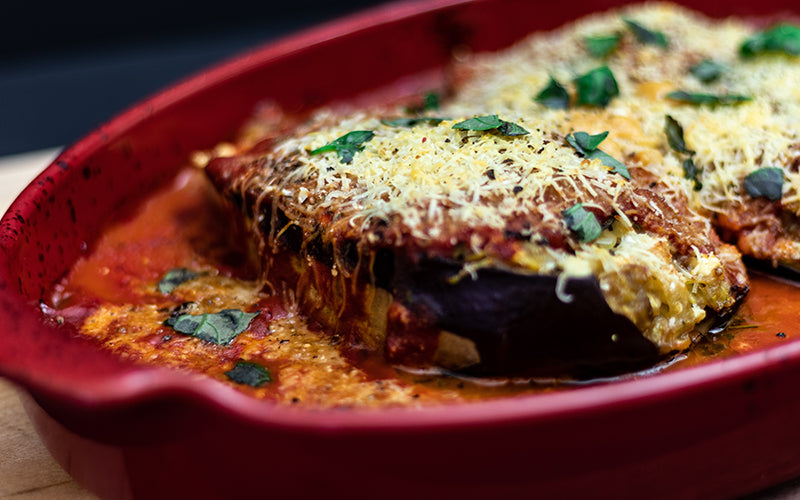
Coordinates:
<point>125,431</point>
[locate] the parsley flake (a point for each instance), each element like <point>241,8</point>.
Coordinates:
<point>175,277</point>
<point>701,98</point>
<point>692,172</point>
<point>586,145</point>
<point>766,182</point>
<point>602,45</point>
<point>249,373</point>
<point>597,87</point>
<point>491,123</point>
<point>646,35</point>
<point>708,70</point>
<point>347,145</point>
<point>674,133</point>
<point>553,96</point>
<point>583,223</point>
<point>218,328</point>
<point>781,38</point>
<point>413,122</point>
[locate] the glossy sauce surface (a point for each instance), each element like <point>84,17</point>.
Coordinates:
<point>111,295</point>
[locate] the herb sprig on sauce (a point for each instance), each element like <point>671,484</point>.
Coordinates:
<point>174,278</point>
<point>249,373</point>
<point>218,328</point>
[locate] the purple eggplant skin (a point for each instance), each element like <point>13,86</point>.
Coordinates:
<point>521,327</point>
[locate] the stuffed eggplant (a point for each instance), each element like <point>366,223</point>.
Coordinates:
<point>556,214</point>
<point>481,244</point>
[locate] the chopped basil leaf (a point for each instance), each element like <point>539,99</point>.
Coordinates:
<point>707,70</point>
<point>491,122</point>
<point>692,172</point>
<point>179,311</point>
<point>553,96</point>
<point>412,122</point>
<point>597,87</point>
<point>710,99</point>
<point>431,101</point>
<point>674,132</point>
<point>781,38</point>
<point>488,122</point>
<point>249,373</point>
<point>609,161</point>
<point>583,223</point>
<point>584,142</point>
<point>647,36</point>
<point>347,145</point>
<point>602,45</point>
<point>587,144</point>
<point>219,328</point>
<point>175,277</point>
<point>765,182</point>
<point>511,129</point>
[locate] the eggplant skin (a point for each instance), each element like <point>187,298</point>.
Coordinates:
<point>520,325</point>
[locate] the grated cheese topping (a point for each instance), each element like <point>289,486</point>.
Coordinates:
<point>432,179</point>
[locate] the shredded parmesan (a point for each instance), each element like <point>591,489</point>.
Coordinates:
<point>432,179</point>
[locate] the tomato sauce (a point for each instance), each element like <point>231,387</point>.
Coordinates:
<point>112,296</point>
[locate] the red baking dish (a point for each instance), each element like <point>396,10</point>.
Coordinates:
<point>714,431</point>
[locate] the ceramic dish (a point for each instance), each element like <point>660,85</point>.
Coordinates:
<point>716,430</point>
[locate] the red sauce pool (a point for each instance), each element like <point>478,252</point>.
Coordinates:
<point>186,225</point>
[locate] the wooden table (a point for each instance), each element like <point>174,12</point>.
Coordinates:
<point>27,471</point>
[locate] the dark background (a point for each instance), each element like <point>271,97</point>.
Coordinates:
<point>67,67</point>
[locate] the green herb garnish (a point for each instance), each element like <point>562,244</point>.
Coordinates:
<point>597,87</point>
<point>587,144</point>
<point>646,35</point>
<point>707,70</point>
<point>430,101</point>
<point>674,132</point>
<point>583,223</point>
<point>249,373</point>
<point>707,99</point>
<point>491,123</point>
<point>175,277</point>
<point>219,328</point>
<point>766,182</point>
<point>413,122</point>
<point>692,172</point>
<point>347,145</point>
<point>553,96</point>
<point>602,45</point>
<point>781,38</point>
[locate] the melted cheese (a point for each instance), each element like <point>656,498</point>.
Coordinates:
<point>432,178</point>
